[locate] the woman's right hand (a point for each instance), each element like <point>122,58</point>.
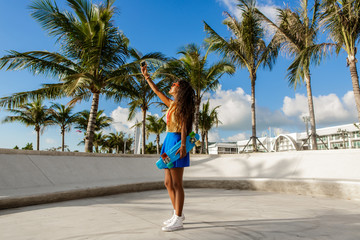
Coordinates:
<point>144,72</point>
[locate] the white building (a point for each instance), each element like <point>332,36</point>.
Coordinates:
<point>342,136</point>
<point>223,148</point>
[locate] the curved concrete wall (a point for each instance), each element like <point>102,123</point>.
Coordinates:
<point>32,177</point>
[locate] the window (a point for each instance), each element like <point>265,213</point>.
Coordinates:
<point>336,146</point>
<point>336,136</point>
<point>356,144</point>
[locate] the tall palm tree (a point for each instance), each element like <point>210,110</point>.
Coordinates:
<point>61,115</point>
<point>246,48</point>
<point>207,119</point>
<point>157,126</point>
<point>32,114</point>
<point>342,20</point>
<point>194,67</point>
<point>138,90</point>
<point>92,60</point>
<point>297,34</point>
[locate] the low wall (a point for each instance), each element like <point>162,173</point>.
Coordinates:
<point>35,177</point>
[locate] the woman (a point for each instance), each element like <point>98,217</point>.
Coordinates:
<point>179,121</point>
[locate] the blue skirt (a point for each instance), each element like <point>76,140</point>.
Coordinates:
<point>170,140</point>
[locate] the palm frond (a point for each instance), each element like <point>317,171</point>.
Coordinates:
<point>49,91</point>
<point>229,49</point>
<point>39,62</point>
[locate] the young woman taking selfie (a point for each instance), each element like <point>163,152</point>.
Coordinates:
<point>179,121</point>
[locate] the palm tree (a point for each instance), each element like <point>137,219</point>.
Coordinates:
<point>150,148</point>
<point>194,67</point>
<point>116,140</point>
<point>297,34</point>
<point>99,140</point>
<point>157,126</point>
<point>138,90</point>
<point>101,122</point>
<point>92,60</point>
<point>61,115</point>
<point>246,48</point>
<point>32,114</point>
<point>207,119</point>
<point>342,20</point>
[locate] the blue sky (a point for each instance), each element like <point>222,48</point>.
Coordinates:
<point>165,26</point>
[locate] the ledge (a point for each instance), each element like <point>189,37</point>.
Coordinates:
<point>37,177</point>
<point>343,189</point>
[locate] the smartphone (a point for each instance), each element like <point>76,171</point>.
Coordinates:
<point>143,64</point>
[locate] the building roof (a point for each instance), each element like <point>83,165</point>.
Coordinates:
<point>330,130</point>
<point>234,145</point>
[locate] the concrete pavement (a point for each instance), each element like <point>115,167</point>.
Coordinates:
<point>210,214</point>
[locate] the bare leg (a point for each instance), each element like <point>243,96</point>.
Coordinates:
<point>177,182</point>
<point>169,186</point>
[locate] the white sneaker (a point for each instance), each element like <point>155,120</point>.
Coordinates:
<point>167,222</point>
<point>176,224</point>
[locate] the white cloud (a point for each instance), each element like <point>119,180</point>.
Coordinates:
<point>121,122</point>
<point>237,137</point>
<point>268,8</point>
<point>50,141</point>
<point>234,110</point>
<point>214,136</point>
<point>329,109</point>
<point>235,113</point>
<point>349,101</point>
<point>295,106</point>
<point>232,7</point>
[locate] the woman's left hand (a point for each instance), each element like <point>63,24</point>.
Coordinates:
<point>182,151</point>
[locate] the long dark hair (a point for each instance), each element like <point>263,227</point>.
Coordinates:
<point>185,105</point>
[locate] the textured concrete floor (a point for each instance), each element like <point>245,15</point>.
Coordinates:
<point>210,214</point>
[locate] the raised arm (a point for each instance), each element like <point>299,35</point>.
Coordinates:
<point>153,86</point>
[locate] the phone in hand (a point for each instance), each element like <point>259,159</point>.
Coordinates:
<point>143,64</point>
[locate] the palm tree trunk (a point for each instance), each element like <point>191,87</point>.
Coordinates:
<point>89,139</point>
<point>207,142</point>
<point>143,130</point>
<point>253,115</point>
<point>157,144</point>
<point>355,83</point>
<point>202,142</point>
<point>311,110</point>
<point>197,115</point>
<point>62,139</point>
<point>38,139</point>
<point>96,148</point>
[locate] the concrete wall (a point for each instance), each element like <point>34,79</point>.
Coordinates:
<point>34,177</point>
<point>326,164</point>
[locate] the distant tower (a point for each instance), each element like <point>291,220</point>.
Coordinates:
<point>137,143</point>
